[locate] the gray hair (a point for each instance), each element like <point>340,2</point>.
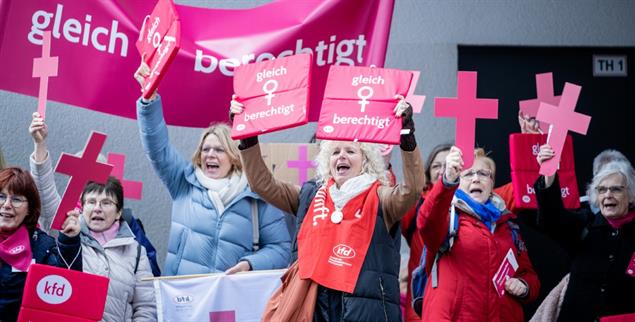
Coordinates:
<point>623,168</point>
<point>605,157</point>
<point>372,162</point>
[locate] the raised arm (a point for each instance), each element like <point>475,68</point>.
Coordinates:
<point>282,195</point>
<point>42,172</point>
<point>433,218</point>
<point>169,165</point>
<point>398,199</point>
<point>566,227</point>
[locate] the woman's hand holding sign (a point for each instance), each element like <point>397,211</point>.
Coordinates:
<point>546,152</point>
<point>141,74</point>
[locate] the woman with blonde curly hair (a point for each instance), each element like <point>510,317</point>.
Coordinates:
<point>348,242</point>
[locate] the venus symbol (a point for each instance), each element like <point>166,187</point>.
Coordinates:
<point>270,90</point>
<point>364,98</point>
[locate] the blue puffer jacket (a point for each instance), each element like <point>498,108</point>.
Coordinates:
<point>201,239</point>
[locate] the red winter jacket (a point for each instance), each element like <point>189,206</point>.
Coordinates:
<point>415,242</point>
<point>465,289</point>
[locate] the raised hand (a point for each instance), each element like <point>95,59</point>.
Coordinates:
<point>141,74</point>
<point>39,131</point>
<point>453,164</point>
<point>528,124</point>
<point>71,227</point>
<point>546,153</point>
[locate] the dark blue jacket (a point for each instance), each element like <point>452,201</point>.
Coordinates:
<point>45,251</point>
<point>376,295</point>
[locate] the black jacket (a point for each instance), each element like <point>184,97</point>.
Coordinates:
<point>376,295</point>
<point>599,285</point>
<point>45,251</point>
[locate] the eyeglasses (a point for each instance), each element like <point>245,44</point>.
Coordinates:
<point>613,189</point>
<point>104,203</point>
<point>483,173</point>
<point>16,202</point>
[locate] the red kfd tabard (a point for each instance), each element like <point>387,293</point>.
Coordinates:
<point>332,243</point>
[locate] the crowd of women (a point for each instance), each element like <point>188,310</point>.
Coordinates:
<point>228,215</point>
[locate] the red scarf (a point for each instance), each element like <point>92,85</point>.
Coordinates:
<point>619,222</point>
<point>15,250</point>
<point>332,254</point>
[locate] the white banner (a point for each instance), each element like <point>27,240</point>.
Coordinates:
<point>215,297</point>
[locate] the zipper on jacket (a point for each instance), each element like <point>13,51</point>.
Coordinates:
<point>383,297</point>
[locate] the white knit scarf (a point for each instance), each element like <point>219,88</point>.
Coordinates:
<point>350,189</point>
<point>222,191</point>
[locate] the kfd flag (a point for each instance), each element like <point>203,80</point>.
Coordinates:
<point>159,41</point>
<point>359,102</point>
<point>58,294</point>
<point>216,297</point>
<point>523,150</point>
<point>275,94</point>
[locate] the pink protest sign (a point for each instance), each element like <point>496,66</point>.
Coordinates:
<point>544,91</point>
<point>523,149</point>
<point>82,170</point>
<point>59,294</point>
<point>506,270</point>
<point>275,94</point>
<point>44,67</point>
<point>99,57</point>
<point>416,101</point>
<point>359,102</point>
<point>561,118</point>
<point>159,41</point>
<point>466,108</point>
<point>131,189</point>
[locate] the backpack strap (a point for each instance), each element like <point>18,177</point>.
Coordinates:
<point>255,225</point>
<point>453,228</point>
<point>136,265</point>
<point>127,216</point>
<point>520,245</point>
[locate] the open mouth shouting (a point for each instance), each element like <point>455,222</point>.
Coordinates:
<point>342,169</point>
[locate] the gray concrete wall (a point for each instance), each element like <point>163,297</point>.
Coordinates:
<point>424,36</point>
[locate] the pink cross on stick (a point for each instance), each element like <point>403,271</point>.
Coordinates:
<point>44,67</point>
<point>544,91</point>
<point>303,164</point>
<point>131,189</point>
<point>562,118</point>
<point>466,108</point>
<point>81,170</point>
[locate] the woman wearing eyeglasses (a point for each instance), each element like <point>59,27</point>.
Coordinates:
<point>602,246</point>
<point>109,247</point>
<point>461,286</point>
<point>22,243</point>
<point>214,211</point>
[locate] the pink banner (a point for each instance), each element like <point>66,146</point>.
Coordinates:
<point>95,42</point>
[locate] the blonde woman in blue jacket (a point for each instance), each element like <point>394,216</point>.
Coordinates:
<point>212,204</point>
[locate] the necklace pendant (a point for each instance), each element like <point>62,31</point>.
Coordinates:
<point>337,216</point>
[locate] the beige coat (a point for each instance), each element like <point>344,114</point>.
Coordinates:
<point>129,299</point>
